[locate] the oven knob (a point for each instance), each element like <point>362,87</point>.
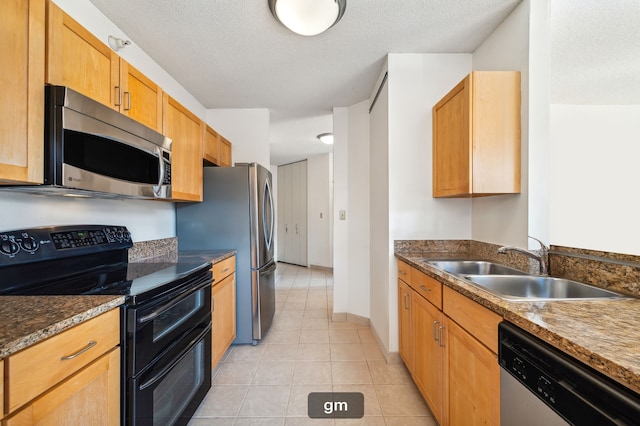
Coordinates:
<point>29,244</point>
<point>9,247</point>
<point>127,236</point>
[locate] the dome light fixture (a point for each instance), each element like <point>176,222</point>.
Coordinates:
<point>326,138</point>
<point>308,17</point>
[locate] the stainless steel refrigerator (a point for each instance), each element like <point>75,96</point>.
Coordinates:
<point>237,213</point>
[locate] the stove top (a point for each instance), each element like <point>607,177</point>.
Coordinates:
<point>84,260</point>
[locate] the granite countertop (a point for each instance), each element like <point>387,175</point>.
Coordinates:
<point>213,256</point>
<point>26,320</point>
<point>604,334</point>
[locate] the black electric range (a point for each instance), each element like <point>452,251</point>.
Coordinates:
<point>165,320</point>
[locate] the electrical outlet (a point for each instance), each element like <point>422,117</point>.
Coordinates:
<point>343,214</point>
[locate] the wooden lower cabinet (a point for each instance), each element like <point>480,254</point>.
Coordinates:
<point>428,370</point>
<point>89,397</point>
<point>405,310</point>
<point>1,388</point>
<point>473,387</point>
<point>453,360</point>
<point>223,329</point>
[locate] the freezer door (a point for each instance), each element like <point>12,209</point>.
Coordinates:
<point>265,302</point>
<point>266,216</point>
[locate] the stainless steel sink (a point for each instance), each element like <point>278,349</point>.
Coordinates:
<point>474,267</point>
<point>530,288</point>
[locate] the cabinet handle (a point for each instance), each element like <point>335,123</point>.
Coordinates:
<point>425,289</point>
<point>225,270</point>
<point>119,96</point>
<point>405,301</point>
<point>91,344</point>
<point>401,272</point>
<point>128,97</point>
<point>296,229</point>
<point>433,330</point>
<point>442,327</point>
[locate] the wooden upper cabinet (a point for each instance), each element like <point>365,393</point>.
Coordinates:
<point>140,98</point>
<point>216,149</point>
<point>185,131</point>
<point>78,59</point>
<point>476,136</point>
<point>224,154</point>
<point>210,144</point>
<point>22,42</point>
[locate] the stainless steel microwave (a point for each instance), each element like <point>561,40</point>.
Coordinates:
<point>95,151</point>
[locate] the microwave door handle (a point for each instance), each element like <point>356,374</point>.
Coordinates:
<point>162,172</point>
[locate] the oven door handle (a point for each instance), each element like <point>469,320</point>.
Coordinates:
<point>156,312</point>
<point>169,367</point>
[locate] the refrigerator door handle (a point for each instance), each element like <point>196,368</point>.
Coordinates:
<point>268,268</point>
<point>268,233</point>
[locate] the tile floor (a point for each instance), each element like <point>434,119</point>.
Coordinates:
<point>305,352</point>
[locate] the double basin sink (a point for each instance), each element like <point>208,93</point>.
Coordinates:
<point>514,285</point>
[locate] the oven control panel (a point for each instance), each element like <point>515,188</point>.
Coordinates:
<point>37,244</point>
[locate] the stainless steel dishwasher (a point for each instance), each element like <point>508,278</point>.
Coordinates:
<point>540,385</point>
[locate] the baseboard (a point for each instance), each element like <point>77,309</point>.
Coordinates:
<point>322,268</point>
<point>390,357</point>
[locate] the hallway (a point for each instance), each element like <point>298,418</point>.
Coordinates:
<point>306,352</point>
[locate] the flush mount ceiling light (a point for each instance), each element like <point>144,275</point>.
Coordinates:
<point>308,17</point>
<point>326,138</point>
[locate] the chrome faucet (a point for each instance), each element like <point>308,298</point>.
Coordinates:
<point>542,257</point>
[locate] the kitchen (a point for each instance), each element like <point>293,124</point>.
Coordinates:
<point>452,219</point>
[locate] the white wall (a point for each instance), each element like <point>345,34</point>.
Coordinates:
<point>379,210</point>
<point>416,83</point>
<point>595,174</point>
<point>351,194</point>
<point>147,220</point>
<point>319,211</point>
<point>248,131</point>
<point>503,219</point>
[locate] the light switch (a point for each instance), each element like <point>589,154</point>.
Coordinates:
<point>343,214</point>
<point>321,215</point>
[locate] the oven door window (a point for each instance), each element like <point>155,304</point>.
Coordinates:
<point>178,387</point>
<point>170,391</point>
<point>172,318</point>
<point>110,158</point>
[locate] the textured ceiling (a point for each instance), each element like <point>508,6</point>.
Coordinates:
<point>233,53</point>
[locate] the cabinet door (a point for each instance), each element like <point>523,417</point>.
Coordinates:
<point>22,35</point>
<point>224,317</point>
<point>451,144</point>
<point>405,321</point>
<point>185,130</point>
<point>141,97</point>
<point>91,397</point>
<point>79,60</point>
<point>210,143</point>
<point>224,152</point>
<point>473,386</point>
<point>429,355</point>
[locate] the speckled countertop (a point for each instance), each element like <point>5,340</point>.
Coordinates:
<point>26,320</point>
<point>213,256</point>
<point>604,334</point>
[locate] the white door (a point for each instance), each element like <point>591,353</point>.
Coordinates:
<point>292,213</point>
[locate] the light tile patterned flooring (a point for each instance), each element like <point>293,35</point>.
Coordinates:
<point>305,352</point>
